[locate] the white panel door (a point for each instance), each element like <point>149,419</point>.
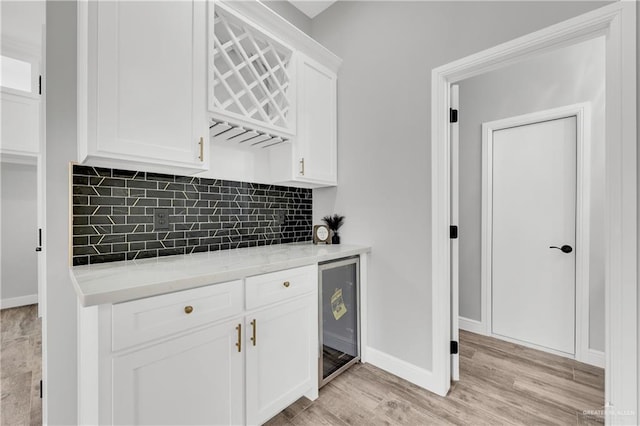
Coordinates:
<point>151,81</point>
<point>282,361</point>
<point>196,379</point>
<point>534,209</point>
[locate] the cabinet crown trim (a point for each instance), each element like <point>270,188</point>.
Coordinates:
<point>258,12</point>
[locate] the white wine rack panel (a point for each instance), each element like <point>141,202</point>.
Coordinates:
<point>252,74</point>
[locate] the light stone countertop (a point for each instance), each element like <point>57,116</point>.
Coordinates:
<point>134,279</point>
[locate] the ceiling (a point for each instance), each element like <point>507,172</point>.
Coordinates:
<point>311,8</point>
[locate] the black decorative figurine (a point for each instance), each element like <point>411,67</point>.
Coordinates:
<point>334,223</point>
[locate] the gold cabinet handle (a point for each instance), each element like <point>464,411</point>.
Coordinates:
<point>239,342</point>
<point>286,284</point>
<point>302,166</point>
<point>254,325</point>
<point>188,309</point>
<point>201,143</point>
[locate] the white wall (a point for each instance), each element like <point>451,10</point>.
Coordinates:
<point>388,51</point>
<point>638,162</point>
<point>22,21</point>
<point>59,334</point>
<point>562,77</point>
<point>19,234</point>
<point>290,13</point>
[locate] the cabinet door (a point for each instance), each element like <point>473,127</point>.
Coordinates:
<point>150,77</point>
<point>193,379</point>
<point>282,361</point>
<point>316,139</point>
<point>20,124</point>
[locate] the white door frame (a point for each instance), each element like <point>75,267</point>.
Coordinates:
<point>617,22</point>
<point>582,112</point>
<point>455,243</point>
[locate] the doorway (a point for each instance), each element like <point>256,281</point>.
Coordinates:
<point>541,89</point>
<point>617,23</point>
<point>22,289</point>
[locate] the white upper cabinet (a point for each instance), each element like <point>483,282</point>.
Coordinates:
<point>228,89</point>
<point>312,160</point>
<point>20,125</point>
<point>20,102</point>
<point>142,84</point>
<point>317,129</point>
<point>272,99</point>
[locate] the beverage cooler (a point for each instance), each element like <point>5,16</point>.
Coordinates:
<point>339,320</point>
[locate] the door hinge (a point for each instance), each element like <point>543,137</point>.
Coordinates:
<point>453,115</point>
<point>40,389</point>
<point>453,232</point>
<point>454,347</point>
<point>39,85</point>
<point>39,248</point>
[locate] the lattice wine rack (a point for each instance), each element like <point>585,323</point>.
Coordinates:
<point>252,79</point>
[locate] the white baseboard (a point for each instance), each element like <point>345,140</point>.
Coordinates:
<point>14,302</point>
<point>471,325</point>
<point>595,358</point>
<point>416,375</point>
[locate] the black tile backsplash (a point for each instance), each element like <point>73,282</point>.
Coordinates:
<point>113,214</point>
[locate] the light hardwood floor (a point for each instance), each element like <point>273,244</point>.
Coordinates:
<point>500,384</point>
<point>20,366</point>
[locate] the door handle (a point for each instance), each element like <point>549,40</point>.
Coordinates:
<point>565,248</point>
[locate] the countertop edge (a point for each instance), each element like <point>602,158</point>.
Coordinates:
<point>191,282</point>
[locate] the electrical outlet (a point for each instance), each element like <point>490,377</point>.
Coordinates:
<point>161,220</point>
<point>282,217</point>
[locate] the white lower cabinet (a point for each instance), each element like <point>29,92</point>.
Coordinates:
<point>240,367</point>
<point>282,358</point>
<point>195,379</point>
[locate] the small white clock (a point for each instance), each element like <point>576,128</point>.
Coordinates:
<point>321,234</point>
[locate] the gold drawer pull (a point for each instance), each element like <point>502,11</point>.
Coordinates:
<point>254,324</point>
<point>286,284</point>
<point>188,309</point>
<point>239,342</point>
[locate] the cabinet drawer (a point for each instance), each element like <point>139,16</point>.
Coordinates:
<point>147,319</point>
<point>281,285</point>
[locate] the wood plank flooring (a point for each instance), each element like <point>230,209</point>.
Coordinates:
<point>500,384</point>
<point>20,366</point>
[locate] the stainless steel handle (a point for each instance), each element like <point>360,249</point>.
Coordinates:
<point>302,166</point>
<point>201,143</point>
